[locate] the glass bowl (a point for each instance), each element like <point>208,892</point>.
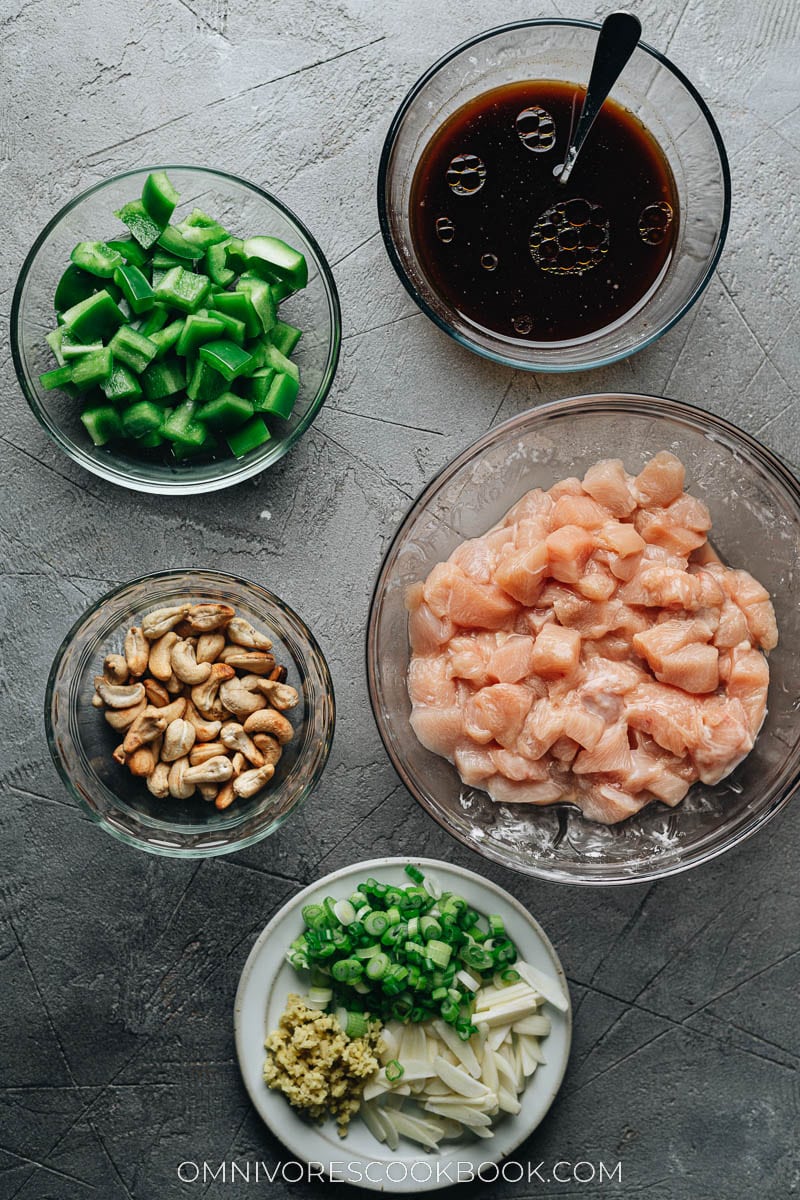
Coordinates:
<point>755,506</point>
<point>81,742</point>
<point>244,209</point>
<point>650,87</point>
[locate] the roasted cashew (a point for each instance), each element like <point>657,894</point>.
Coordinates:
<point>175,709</point>
<point>156,693</point>
<point>158,781</point>
<point>115,668</point>
<point>269,720</point>
<point>118,695</point>
<point>278,675</point>
<point>119,755</point>
<point>239,699</point>
<point>225,796</point>
<point>206,730</point>
<point>173,685</point>
<point>209,647</point>
<point>161,620</point>
<point>203,751</point>
<point>234,737</point>
<point>269,746</point>
<point>256,662</point>
<point>137,650</point>
<point>204,618</point>
<point>160,663</point>
<point>142,762</point>
<point>97,701</point>
<point>279,695</point>
<point>185,664</point>
<point>250,782</point>
<point>179,786</point>
<point>207,791</point>
<point>178,740</point>
<point>206,697</point>
<point>244,634</point>
<point>145,729</point>
<point>123,718</point>
<point>238,762</point>
<point>216,770</point>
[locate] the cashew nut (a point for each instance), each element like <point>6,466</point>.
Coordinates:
<point>122,718</point>
<point>145,729</point>
<point>186,666</point>
<point>206,730</point>
<point>225,796</point>
<point>209,647</point>
<point>279,695</point>
<point>161,620</point>
<point>202,751</point>
<point>244,634</point>
<point>142,762</point>
<point>156,693</point>
<point>206,697</point>
<point>178,740</point>
<point>176,708</point>
<point>250,782</point>
<point>118,695</point>
<point>173,685</point>
<point>257,662</point>
<point>97,701</point>
<point>204,618</point>
<point>208,791</point>
<point>119,755</point>
<point>278,675</point>
<point>238,762</point>
<point>158,781</point>
<point>239,699</point>
<point>137,650</point>
<point>269,746</point>
<point>179,786</point>
<point>160,663</point>
<point>234,737</point>
<point>268,720</point>
<point>216,770</point>
<point>115,668</point>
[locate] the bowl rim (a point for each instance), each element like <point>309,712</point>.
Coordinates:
<point>774,466</point>
<point>446,326</point>
<point>189,852</point>
<point>178,487</point>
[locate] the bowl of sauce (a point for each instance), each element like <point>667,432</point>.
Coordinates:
<point>506,260</point>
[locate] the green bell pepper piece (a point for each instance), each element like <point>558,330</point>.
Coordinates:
<point>121,384</point>
<point>202,231</point>
<point>205,383</point>
<point>233,329</point>
<point>159,198</point>
<point>150,441</point>
<point>175,244</point>
<point>135,288</point>
<point>281,363</point>
<point>182,289</point>
<point>57,378</point>
<point>235,256</point>
<point>239,306</point>
<point>280,291</point>
<point>273,259</point>
<point>73,286</point>
<point>132,348</point>
<point>164,339</point>
<point>281,396</point>
<point>142,418</point>
<point>251,435</point>
<point>260,296</point>
<point>215,265</point>
<point>130,250</point>
<point>182,449</point>
<point>94,318</point>
<point>54,340</point>
<point>226,357</point>
<point>198,328</point>
<point>181,426</point>
<point>92,368</point>
<point>156,319</point>
<point>227,411</point>
<point>96,258</point>
<point>72,348</point>
<point>102,424</point>
<point>162,379</point>
<point>285,337</point>
<point>141,224</point>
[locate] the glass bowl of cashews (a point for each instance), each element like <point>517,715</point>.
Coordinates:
<point>188,712</point>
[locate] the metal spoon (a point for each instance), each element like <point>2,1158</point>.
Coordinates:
<point>617,41</point>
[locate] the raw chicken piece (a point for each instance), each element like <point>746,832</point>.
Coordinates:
<point>591,648</point>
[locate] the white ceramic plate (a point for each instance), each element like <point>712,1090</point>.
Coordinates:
<point>359,1159</point>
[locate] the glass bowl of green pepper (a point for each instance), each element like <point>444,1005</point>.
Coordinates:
<point>175,330</point>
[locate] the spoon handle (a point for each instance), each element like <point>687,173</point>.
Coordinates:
<point>619,35</point>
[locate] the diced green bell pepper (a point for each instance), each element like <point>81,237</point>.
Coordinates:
<point>162,379</point>
<point>198,328</point>
<point>227,411</point>
<point>181,425</point>
<point>165,339</point>
<point>280,290</point>
<point>174,243</point>
<point>281,363</point>
<point>251,435</point>
<point>102,423</point>
<point>205,383</point>
<point>71,348</point>
<point>135,288</point>
<point>226,357</point>
<point>73,286</point>
<point>233,329</point>
<point>285,337</point>
<point>92,368</point>
<point>141,224</point>
<point>156,319</point>
<point>182,289</point>
<point>94,318</point>
<point>281,396</point>
<point>97,258</point>
<point>132,348</point>
<point>239,306</point>
<point>142,418</point>
<point>182,449</point>
<point>273,259</point>
<point>165,262</point>
<point>54,340</point>
<point>57,378</point>
<point>202,231</point>
<point>235,256</point>
<point>159,198</point>
<point>215,265</point>
<point>260,296</point>
<point>150,441</point>
<point>121,384</point>
<point>130,250</point>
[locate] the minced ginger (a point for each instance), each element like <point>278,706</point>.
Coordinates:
<point>319,1069</point>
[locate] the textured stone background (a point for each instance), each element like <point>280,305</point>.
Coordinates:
<point>118,969</point>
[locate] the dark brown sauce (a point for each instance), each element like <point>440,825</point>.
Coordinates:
<point>510,249</point>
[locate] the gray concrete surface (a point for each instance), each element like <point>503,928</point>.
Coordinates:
<point>118,969</point>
